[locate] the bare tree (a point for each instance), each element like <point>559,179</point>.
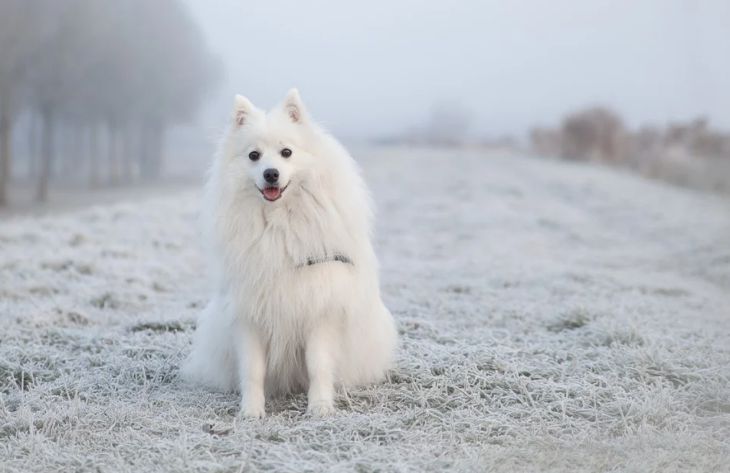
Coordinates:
<point>175,83</point>
<point>18,40</point>
<point>54,79</point>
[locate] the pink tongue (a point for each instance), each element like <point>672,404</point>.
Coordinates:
<point>272,193</point>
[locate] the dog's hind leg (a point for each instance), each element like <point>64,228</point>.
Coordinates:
<point>371,338</point>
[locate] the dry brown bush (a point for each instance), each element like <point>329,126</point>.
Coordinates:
<point>595,134</point>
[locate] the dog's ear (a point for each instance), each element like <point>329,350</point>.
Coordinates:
<point>242,110</point>
<point>294,107</point>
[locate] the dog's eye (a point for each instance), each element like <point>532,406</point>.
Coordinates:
<point>254,155</point>
<point>286,152</point>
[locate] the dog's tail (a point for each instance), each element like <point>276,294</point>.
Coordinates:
<point>212,361</point>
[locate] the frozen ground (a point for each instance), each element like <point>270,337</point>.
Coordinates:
<point>554,317</point>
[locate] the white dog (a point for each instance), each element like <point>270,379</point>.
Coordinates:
<point>297,304</point>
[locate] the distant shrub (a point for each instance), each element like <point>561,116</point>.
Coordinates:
<point>593,134</point>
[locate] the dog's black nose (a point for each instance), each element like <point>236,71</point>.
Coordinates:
<point>271,175</point>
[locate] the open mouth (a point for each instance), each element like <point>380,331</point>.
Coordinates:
<point>272,193</point>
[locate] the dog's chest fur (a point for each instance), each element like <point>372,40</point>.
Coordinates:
<point>266,252</point>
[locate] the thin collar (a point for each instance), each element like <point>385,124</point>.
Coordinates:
<point>311,261</point>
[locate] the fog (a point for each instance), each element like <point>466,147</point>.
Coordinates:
<point>111,94</point>
<point>374,68</point>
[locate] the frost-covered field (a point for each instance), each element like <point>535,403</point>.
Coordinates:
<point>553,317</point>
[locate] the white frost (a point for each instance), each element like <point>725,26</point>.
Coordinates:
<point>553,317</point>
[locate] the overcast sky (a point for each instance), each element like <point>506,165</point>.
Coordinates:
<point>377,67</point>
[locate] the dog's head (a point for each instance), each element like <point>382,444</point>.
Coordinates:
<point>269,150</point>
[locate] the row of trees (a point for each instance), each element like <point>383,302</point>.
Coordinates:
<point>109,76</point>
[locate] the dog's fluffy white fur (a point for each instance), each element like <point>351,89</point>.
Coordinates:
<point>286,314</point>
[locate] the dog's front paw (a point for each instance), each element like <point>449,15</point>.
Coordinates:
<point>321,408</point>
<point>252,410</point>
